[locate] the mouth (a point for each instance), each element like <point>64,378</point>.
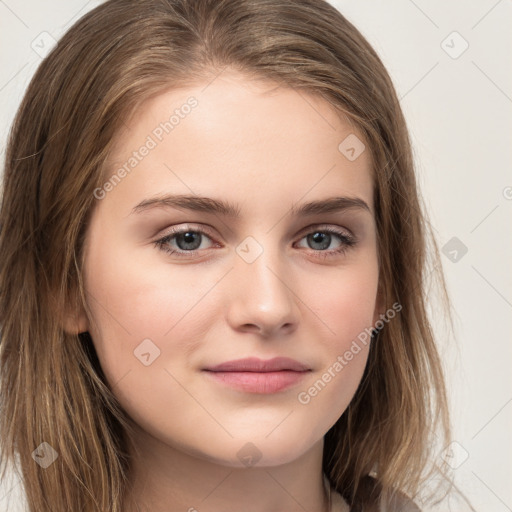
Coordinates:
<point>253,375</point>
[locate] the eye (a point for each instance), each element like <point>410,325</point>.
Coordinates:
<point>186,242</point>
<point>321,238</point>
<point>183,242</point>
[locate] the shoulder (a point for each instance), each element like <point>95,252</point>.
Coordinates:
<point>400,503</point>
<point>369,500</point>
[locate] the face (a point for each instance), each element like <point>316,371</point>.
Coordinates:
<point>178,286</point>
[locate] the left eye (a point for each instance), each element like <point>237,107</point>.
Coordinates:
<point>184,242</point>
<point>323,238</point>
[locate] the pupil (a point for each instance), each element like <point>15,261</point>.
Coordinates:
<point>188,239</point>
<point>321,238</point>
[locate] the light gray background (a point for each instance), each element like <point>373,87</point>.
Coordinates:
<point>459,111</point>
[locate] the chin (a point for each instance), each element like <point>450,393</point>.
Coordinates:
<point>258,451</point>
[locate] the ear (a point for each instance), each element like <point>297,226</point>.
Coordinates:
<point>75,322</point>
<point>379,305</point>
<point>72,317</point>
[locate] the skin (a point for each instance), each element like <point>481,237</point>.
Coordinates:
<point>264,148</point>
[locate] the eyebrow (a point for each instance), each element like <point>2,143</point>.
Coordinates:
<point>225,208</point>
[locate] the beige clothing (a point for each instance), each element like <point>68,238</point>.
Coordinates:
<point>400,503</point>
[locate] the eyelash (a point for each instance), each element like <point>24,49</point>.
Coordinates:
<point>347,241</point>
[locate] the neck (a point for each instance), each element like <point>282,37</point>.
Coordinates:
<point>167,478</point>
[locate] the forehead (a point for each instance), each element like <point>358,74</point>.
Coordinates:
<point>238,137</point>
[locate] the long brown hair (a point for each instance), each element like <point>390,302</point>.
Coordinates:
<point>112,59</point>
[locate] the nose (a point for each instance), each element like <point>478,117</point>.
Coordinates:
<point>262,299</point>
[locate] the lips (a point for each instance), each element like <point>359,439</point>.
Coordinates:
<point>253,364</point>
<point>253,375</point>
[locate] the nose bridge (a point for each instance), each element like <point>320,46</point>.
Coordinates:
<point>263,293</point>
<point>262,265</point>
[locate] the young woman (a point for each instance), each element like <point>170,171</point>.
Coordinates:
<point>212,276</point>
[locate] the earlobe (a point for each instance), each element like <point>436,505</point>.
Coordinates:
<point>75,323</point>
<point>71,313</point>
<point>379,311</point>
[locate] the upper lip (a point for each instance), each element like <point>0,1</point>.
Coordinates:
<point>253,364</point>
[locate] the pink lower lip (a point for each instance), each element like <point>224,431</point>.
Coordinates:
<point>259,382</point>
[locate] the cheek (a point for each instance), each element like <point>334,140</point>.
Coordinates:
<point>133,300</point>
<point>346,302</point>
<point>345,308</point>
